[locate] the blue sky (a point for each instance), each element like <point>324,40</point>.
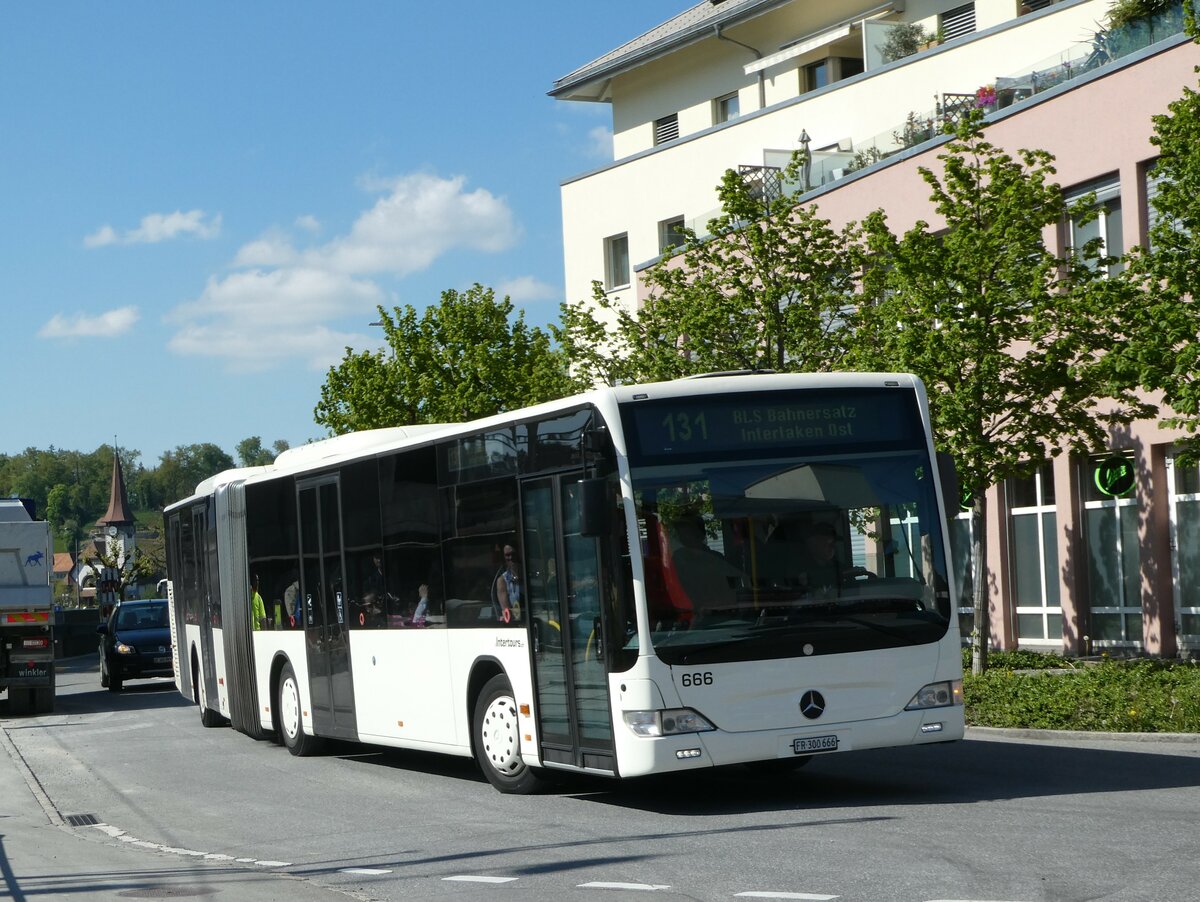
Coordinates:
<point>201,204</point>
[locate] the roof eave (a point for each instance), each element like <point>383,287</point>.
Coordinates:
<point>572,86</point>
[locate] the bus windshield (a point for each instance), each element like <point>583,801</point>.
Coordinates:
<point>818,538</point>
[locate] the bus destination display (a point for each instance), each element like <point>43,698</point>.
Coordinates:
<point>761,422</point>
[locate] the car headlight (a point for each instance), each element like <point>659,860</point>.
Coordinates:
<point>669,722</point>
<point>937,695</point>
<point>123,648</point>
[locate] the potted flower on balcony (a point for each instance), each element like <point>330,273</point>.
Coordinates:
<point>985,97</point>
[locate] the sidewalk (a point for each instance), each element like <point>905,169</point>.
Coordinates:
<point>43,858</point>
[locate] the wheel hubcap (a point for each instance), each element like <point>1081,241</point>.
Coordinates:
<point>501,741</point>
<point>289,704</point>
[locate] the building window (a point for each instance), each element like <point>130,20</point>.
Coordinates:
<point>670,233</point>
<point>666,129</point>
<point>958,21</point>
<point>726,108</point>
<point>1184,480</point>
<point>816,75</point>
<point>1106,226</point>
<point>1033,522</point>
<point>1113,551</point>
<point>849,66</point>
<point>616,261</point>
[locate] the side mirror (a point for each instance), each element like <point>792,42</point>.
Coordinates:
<point>948,476</point>
<point>594,507</point>
<point>102,629</point>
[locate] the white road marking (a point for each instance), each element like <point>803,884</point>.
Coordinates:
<point>119,834</point>
<point>468,878</point>
<point>598,884</point>
<point>812,897</point>
<point>366,872</point>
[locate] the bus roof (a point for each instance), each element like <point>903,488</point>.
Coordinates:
<point>355,445</point>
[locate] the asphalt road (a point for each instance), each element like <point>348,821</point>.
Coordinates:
<point>212,812</point>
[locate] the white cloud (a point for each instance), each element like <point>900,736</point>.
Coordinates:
<point>600,142</point>
<point>157,227</point>
<point>257,319</point>
<point>280,305</point>
<point>272,249</point>
<point>422,218</point>
<point>527,288</point>
<point>318,347</point>
<point>81,325</point>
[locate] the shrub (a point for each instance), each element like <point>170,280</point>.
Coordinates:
<point>903,39</point>
<point>1139,696</point>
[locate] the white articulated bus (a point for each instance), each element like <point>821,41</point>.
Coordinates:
<point>736,569</point>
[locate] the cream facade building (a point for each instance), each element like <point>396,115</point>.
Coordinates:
<point>1091,554</point>
<point>739,82</point>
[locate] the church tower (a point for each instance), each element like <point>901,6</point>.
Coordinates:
<point>117,524</point>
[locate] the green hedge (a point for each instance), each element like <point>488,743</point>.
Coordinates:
<point>1030,690</point>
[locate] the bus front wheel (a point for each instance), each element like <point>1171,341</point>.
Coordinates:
<point>497,736</point>
<point>291,728</point>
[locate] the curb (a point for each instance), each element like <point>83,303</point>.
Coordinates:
<point>1050,735</point>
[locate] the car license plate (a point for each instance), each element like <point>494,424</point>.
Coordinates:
<point>166,660</point>
<point>812,744</point>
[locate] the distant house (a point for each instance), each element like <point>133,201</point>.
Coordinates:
<point>64,566</point>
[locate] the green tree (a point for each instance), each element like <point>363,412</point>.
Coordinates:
<point>1007,336</point>
<point>1162,348</point>
<point>180,470</point>
<point>467,356</point>
<point>251,453</point>
<point>773,287</point>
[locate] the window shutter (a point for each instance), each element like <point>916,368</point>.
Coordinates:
<point>958,21</point>
<point>666,129</point>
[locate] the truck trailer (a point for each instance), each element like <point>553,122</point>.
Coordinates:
<point>26,609</point>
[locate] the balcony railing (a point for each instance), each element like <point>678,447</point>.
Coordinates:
<point>1105,47</point>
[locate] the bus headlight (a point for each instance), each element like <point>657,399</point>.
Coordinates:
<point>670,722</point>
<point>937,695</point>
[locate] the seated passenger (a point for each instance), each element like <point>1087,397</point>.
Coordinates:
<point>710,581</point>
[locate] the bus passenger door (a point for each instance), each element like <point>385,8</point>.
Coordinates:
<point>209,609</point>
<point>566,618</point>
<point>326,636</point>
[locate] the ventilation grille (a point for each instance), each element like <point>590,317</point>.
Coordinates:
<point>666,129</point>
<point>958,21</point>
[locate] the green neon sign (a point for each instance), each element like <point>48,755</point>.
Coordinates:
<point>1115,477</point>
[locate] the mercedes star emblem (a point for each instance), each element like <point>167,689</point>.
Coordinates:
<point>812,704</point>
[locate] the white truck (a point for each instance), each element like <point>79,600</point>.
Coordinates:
<point>26,609</point>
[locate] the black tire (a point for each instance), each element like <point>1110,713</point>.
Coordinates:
<point>103,674</point>
<point>20,700</point>
<point>287,710</point>
<point>210,718</point>
<point>777,766</point>
<point>43,700</point>
<point>496,736</point>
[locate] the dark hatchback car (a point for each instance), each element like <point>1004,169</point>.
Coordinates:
<point>135,642</point>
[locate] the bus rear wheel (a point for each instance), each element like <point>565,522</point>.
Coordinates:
<point>497,736</point>
<point>291,727</point>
